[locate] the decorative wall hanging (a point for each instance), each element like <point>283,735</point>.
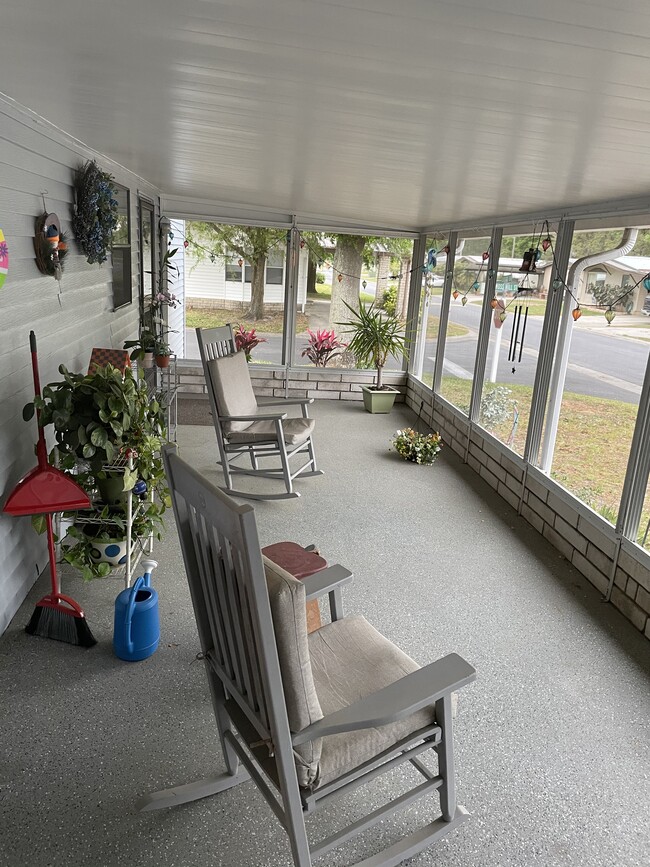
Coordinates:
<point>50,245</point>
<point>4,259</point>
<point>95,212</point>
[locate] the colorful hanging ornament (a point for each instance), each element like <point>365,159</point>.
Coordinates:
<point>609,315</point>
<point>494,303</point>
<point>557,283</point>
<point>186,243</point>
<point>4,259</point>
<point>464,301</point>
<point>446,249</point>
<point>491,272</point>
<point>546,243</point>
<point>576,313</point>
<point>340,277</point>
<point>502,315</point>
<point>302,243</point>
<point>646,283</point>
<point>476,285</point>
<point>431,260</point>
<point>486,255</point>
<point>455,293</point>
<point>364,284</point>
<point>240,261</point>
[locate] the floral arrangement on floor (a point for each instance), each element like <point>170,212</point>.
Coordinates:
<point>321,346</point>
<point>95,214</point>
<point>246,341</point>
<point>417,447</point>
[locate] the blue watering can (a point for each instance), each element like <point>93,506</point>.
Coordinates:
<point>136,630</point>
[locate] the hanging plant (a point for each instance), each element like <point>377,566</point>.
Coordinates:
<point>95,215</point>
<point>50,245</point>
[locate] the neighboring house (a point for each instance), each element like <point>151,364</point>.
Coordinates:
<point>225,283</point>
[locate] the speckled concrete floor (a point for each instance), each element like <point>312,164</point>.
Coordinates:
<point>552,739</point>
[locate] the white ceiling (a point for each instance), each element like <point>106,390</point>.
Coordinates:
<point>403,113</point>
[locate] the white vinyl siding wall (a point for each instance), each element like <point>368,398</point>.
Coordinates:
<point>68,318</point>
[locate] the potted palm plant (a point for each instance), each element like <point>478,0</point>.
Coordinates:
<point>375,337</point>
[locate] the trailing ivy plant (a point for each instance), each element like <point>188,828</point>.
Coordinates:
<point>95,215</point>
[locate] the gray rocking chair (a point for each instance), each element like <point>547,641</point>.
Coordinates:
<point>309,718</point>
<point>243,425</point>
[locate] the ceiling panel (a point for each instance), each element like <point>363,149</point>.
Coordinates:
<point>400,114</point>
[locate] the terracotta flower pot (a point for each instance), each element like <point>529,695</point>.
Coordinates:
<point>162,360</point>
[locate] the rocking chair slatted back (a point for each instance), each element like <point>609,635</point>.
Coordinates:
<point>228,588</point>
<point>216,342</point>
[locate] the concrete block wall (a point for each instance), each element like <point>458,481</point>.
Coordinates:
<point>583,537</point>
<point>322,383</point>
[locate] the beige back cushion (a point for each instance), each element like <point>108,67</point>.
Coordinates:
<point>232,389</point>
<point>288,608</point>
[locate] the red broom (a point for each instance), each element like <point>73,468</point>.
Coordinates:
<point>45,490</point>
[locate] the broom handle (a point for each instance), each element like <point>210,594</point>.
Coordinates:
<point>52,555</point>
<point>41,450</point>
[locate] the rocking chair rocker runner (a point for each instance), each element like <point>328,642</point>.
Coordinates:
<point>308,718</point>
<point>243,425</point>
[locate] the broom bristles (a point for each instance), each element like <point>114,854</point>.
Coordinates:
<point>60,625</point>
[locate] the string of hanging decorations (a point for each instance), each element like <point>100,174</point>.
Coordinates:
<point>486,257</point>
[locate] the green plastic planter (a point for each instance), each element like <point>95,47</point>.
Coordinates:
<point>378,401</point>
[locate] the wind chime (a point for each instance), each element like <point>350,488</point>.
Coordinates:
<point>516,348</point>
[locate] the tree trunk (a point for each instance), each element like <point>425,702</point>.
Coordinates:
<point>311,276</point>
<point>257,287</point>
<point>379,384</point>
<point>348,259</point>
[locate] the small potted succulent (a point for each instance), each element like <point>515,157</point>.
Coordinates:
<point>375,337</point>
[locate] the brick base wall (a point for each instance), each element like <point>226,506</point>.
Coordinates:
<point>585,539</point>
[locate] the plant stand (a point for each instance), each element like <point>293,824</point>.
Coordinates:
<point>379,401</point>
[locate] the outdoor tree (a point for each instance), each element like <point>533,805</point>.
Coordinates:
<point>251,243</point>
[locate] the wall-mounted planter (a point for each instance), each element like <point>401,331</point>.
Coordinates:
<point>50,245</point>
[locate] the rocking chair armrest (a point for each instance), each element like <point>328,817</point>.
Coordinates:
<point>326,580</point>
<point>396,701</point>
<point>286,401</point>
<point>271,416</point>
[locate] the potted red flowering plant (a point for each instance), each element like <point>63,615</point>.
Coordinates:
<point>246,341</point>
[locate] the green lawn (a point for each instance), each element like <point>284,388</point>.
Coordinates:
<point>583,462</point>
<point>324,291</point>
<point>271,324</point>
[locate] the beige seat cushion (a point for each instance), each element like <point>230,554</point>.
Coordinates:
<point>288,609</point>
<point>350,660</point>
<point>296,431</point>
<point>233,391</point>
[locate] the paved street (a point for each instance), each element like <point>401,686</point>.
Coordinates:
<point>605,361</point>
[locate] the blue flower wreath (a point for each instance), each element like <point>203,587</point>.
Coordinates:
<point>95,216</point>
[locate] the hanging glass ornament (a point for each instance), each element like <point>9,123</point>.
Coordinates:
<point>446,249</point>
<point>431,260</point>
<point>494,303</point>
<point>171,235</point>
<point>537,255</point>
<point>302,243</point>
<point>212,258</point>
<point>546,243</point>
<point>486,255</point>
<point>577,313</point>
<point>646,283</point>
<point>464,301</point>
<point>476,285</point>
<point>186,243</point>
<point>491,272</point>
<point>240,261</point>
<point>340,277</point>
<point>455,294</point>
<point>557,283</point>
<point>502,315</point>
<point>364,284</point>
<point>609,315</point>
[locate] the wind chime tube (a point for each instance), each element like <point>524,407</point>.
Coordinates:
<point>523,334</point>
<point>513,342</point>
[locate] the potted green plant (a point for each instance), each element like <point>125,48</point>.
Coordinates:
<point>375,337</point>
<point>161,352</point>
<point>142,349</point>
<point>101,420</point>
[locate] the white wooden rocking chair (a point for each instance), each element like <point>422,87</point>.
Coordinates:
<point>309,718</point>
<point>246,427</point>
